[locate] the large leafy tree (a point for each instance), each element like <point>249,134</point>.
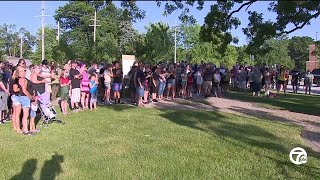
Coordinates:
<point>291,16</point>
<point>75,18</point>
<point>158,44</point>
<point>299,51</point>
<point>276,52</point>
<point>11,39</point>
<point>54,50</point>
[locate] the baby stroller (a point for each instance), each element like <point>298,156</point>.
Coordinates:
<point>48,114</point>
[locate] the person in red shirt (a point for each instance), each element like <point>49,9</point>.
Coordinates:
<point>189,85</point>
<point>65,87</point>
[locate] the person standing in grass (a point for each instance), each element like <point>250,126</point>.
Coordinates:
<point>107,83</point>
<point>4,93</point>
<point>257,79</point>
<point>117,82</point>
<point>199,80</point>
<point>65,87</point>
<point>140,83</point>
<point>171,82</point>
<point>282,80</point>
<point>267,82</point>
<point>93,91</point>
<point>242,78</point>
<point>84,86</point>
<point>216,82</point>
<point>308,79</point>
<point>162,84</point>
<point>190,85</point>
<point>75,77</point>
<point>184,79</point>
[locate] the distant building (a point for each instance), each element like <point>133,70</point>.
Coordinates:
<point>313,62</point>
<point>15,60</point>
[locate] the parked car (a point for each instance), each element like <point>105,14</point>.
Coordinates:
<point>316,74</point>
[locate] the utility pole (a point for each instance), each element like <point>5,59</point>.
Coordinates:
<point>316,36</point>
<point>175,44</point>
<point>20,46</point>
<point>42,34</point>
<point>94,25</point>
<point>58,33</point>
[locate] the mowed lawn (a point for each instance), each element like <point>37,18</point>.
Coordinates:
<point>123,142</point>
<point>301,103</point>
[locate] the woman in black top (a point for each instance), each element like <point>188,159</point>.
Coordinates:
<point>25,96</point>
<point>171,82</point>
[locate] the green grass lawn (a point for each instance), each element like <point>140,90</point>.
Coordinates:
<point>307,104</point>
<point>122,142</point>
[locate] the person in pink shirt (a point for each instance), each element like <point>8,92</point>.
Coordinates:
<point>84,86</point>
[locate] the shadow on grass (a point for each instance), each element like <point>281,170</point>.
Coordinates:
<point>303,169</point>
<point>293,102</point>
<point>118,107</point>
<point>52,167</point>
<point>27,171</point>
<point>245,136</point>
<point>217,124</point>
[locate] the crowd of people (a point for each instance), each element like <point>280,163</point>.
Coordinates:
<point>81,87</point>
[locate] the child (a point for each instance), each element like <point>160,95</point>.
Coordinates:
<point>93,91</point>
<point>33,114</point>
<point>107,83</point>
<point>189,85</point>
<point>64,83</point>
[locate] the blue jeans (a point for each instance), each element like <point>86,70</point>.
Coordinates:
<point>162,86</point>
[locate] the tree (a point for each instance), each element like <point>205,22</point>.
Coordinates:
<point>243,56</point>
<point>113,36</point>
<point>158,44</point>
<point>50,45</point>
<point>222,18</point>
<point>11,39</point>
<point>299,50</point>
<point>277,53</point>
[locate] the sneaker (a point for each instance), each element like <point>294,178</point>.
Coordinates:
<point>154,100</point>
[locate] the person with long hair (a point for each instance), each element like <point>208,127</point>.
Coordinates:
<point>16,106</point>
<point>84,86</point>
<point>24,99</point>
<point>282,80</point>
<point>117,82</point>
<point>171,82</point>
<point>147,74</point>
<point>108,75</point>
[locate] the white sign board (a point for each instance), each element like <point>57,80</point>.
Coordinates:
<point>127,62</point>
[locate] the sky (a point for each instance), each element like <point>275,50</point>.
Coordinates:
<point>23,14</point>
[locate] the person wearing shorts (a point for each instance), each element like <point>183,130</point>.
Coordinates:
<point>75,77</point>
<point>65,86</point>
<point>107,83</point>
<point>4,92</point>
<point>93,91</point>
<point>117,82</point>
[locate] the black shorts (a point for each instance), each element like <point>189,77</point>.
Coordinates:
<point>281,82</point>
<point>178,83</point>
<point>153,89</point>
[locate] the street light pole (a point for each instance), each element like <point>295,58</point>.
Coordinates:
<point>316,36</point>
